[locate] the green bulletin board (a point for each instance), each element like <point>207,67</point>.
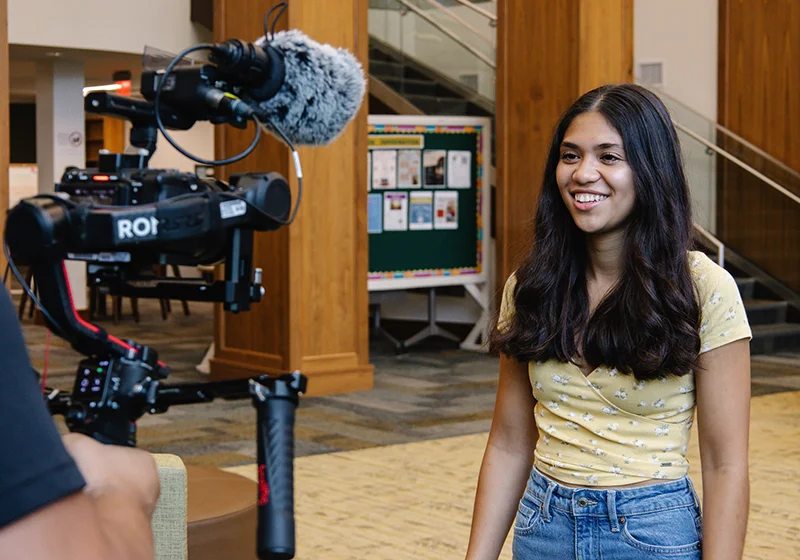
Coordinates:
<point>427,201</point>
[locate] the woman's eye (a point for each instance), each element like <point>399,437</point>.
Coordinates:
<point>609,158</point>
<point>568,157</point>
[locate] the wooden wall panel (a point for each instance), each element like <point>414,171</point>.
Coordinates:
<point>314,315</point>
<point>759,77</point>
<point>4,121</point>
<point>549,53</point>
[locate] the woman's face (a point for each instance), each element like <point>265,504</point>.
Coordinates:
<point>593,175</point>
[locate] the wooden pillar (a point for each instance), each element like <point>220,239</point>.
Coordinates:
<point>549,52</point>
<point>759,77</point>
<point>4,122</point>
<point>314,317</point>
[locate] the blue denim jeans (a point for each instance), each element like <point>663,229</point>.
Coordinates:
<point>556,522</point>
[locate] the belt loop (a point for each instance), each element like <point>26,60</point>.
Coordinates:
<point>611,502</point>
<point>548,495</point>
<point>694,493</point>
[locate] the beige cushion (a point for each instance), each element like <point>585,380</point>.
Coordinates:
<point>169,519</point>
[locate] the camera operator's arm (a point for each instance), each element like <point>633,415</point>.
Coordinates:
<point>48,509</point>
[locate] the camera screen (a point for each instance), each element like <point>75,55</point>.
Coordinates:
<point>101,196</point>
<point>90,381</point>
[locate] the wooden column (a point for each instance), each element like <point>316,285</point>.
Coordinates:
<point>314,317</point>
<point>759,80</point>
<point>549,52</point>
<point>4,122</point>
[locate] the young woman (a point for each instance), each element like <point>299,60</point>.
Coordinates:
<point>611,334</point>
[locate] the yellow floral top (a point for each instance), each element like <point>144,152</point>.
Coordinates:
<point>607,428</point>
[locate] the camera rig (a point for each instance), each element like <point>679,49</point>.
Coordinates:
<point>122,218</point>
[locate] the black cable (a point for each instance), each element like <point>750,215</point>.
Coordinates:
<point>54,326</point>
<point>163,130</point>
<point>271,35</point>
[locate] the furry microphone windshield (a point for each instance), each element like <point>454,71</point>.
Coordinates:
<point>321,92</point>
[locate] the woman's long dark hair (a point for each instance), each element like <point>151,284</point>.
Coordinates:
<point>648,325</point>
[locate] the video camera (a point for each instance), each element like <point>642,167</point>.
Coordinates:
<point>123,218</point>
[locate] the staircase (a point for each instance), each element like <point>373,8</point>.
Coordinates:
<point>775,322</point>
<point>426,89</point>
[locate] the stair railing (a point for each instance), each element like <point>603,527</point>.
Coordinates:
<point>421,13</point>
<point>455,17</point>
<point>491,17</point>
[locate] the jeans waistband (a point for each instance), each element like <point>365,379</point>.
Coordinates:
<point>610,502</point>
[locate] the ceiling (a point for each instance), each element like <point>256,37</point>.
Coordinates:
<point>99,67</point>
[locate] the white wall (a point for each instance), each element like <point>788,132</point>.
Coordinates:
<point>107,25</point>
<point>682,34</point>
<point>198,140</point>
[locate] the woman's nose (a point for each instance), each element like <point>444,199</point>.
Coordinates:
<point>586,172</point>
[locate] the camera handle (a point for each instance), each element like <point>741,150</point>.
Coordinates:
<point>275,400</point>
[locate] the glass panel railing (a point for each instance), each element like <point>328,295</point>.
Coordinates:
<point>746,210</point>
<point>439,62</point>
<point>749,154</point>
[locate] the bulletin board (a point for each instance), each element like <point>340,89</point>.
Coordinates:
<point>428,201</point>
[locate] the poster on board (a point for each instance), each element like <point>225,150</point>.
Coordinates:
<point>409,165</point>
<point>384,169</point>
<point>395,211</point>
<point>420,210</point>
<point>446,210</point>
<point>459,169</point>
<point>374,213</point>
<point>433,162</point>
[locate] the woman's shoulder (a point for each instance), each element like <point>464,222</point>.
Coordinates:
<point>707,274</point>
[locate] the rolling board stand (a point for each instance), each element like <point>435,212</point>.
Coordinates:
<point>431,330</point>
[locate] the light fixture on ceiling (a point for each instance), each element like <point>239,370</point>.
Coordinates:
<point>54,54</point>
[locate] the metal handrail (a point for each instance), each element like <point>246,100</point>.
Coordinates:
<point>450,34</point>
<point>737,161</point>
<point>460,20</point>
<point>491,17</point>
<point>714,241</point>
<point>730,133</point>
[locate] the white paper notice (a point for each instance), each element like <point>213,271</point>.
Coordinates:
<point>420,210</point>
<point>395,211</point>
<point>459,169</point>
<point>408,164</point>
<point>384,169</point>
<point>445,210</point>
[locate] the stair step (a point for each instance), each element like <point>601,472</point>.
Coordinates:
<point>384,70</point>
<point>746,287</point>
<point>777,337</point>
<point>431,105</point>
<point>377,55</point>
<point>406,86</point>
<point>765,311</point>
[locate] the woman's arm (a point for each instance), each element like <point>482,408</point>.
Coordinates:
<point>506,463</point>
<point>723,416</point>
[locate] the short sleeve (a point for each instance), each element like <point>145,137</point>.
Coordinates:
<point>35,468</point>
<point>723,318</point>
<point>506,314</point>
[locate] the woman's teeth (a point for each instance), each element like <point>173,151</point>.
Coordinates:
<point>580,197</point>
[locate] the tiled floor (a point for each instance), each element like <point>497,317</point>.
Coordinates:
<point>428,394</point>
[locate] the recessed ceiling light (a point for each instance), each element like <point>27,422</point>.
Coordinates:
<point>55,54</point>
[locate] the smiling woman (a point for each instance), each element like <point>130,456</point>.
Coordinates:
<point>612,333</point>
